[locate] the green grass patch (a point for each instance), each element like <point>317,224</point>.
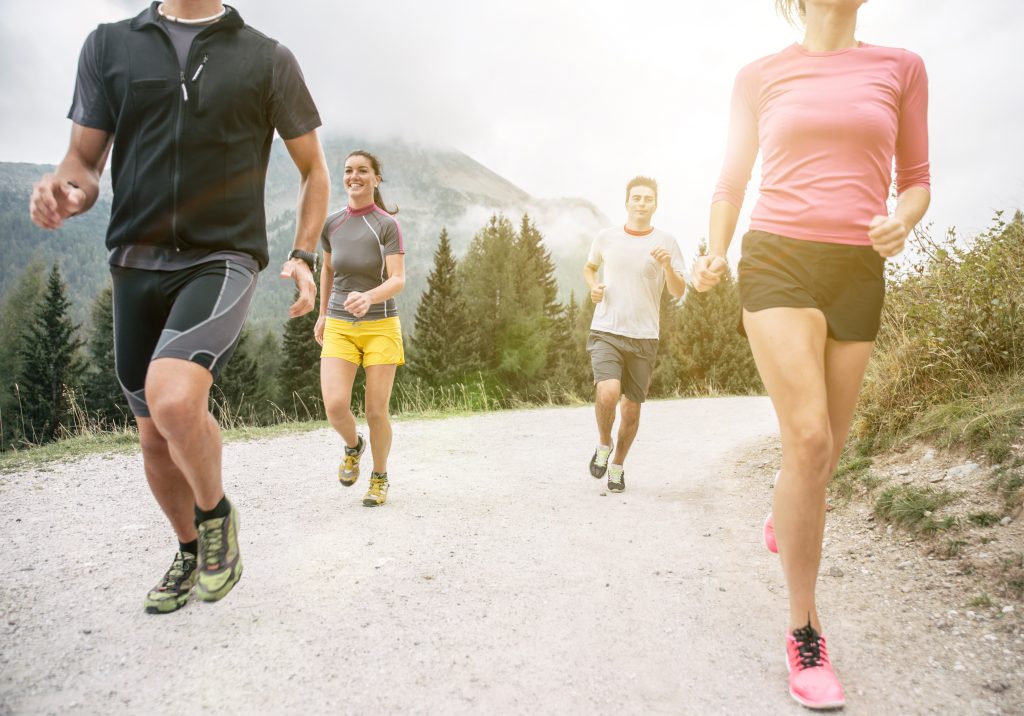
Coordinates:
<point>914,508</point>
<point>852,475</point>
<point>1008,484</point>
<point>122,441</point>
<point>982,601</point>
<point>952,548</point>
<point>983,519</point>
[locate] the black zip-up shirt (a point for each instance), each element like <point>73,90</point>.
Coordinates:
<point>191,146</point>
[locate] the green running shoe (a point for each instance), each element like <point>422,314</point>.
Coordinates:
<point>220,562</point>
<point>172,592</point>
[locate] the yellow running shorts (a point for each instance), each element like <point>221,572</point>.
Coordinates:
<point>364,342</point>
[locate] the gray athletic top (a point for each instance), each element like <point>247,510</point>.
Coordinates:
<point>358,240</point>
<point>288,85</point>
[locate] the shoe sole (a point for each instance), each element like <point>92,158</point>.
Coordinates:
<point>348,483</point>
<point>828,706</point>
<point>173,605</point>
<point>371,503</point>
<point>223,591</point>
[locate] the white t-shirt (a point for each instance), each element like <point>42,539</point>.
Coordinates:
<point>633,281</point>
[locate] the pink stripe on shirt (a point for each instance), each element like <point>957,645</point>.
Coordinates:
<point>398,228</point>
<point>828,125</point>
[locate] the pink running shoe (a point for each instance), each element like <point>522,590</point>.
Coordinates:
<point>812,683</point>
<point>768,535</point>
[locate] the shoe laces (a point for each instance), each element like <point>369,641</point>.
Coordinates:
<point>377,484</point>
<point>212,542</point>
<point>602,456</point>
<point>810,648</point>
<point>180,568</point>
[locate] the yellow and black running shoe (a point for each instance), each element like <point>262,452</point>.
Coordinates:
<point>348,471</point>
<point>173,591</point>
<point>377,495</point>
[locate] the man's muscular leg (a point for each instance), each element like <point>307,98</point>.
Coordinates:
<point>167,482</point>
<point>178,392</point>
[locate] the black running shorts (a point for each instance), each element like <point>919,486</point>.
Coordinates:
<point>195,314</point>
<point>846,283</point>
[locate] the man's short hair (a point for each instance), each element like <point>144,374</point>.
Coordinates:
<point>642,181</point>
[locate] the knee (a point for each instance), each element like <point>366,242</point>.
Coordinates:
<point>376,417</point>
<point>153,445</point>
<point>630,412</point>
<point>607,394</point>
<point>813,443</point>
<point>176,413</point>
<point>338,410</point>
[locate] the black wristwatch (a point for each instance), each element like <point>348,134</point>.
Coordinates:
<point>309,257</point>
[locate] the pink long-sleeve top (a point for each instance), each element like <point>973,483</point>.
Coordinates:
<point>828,125</point>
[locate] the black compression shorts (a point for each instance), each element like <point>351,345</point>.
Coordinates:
<point>195,314</point>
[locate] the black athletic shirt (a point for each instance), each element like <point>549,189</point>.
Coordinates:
<point>292,112</point>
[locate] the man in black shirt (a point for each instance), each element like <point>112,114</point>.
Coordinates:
<point>186,97</point>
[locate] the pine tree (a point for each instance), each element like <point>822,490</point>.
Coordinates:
<point>665,377</point>
<point>540,265</point>
<point>440,352</point>
<point>707,349</point>
<point>51,366</point>
<point>103,393</point>
<point>236,393</point>
<point>569,363</point>
<point>298,378</point>
<point>268,364</point>
<point>28,291</point>
<point>489,279</point>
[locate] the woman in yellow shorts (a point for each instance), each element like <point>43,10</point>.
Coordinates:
<point>364,264</point>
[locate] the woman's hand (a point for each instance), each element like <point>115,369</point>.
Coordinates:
<point>358,303</point>
<point>707,272</point>
<point>888,235</point>
<point>318,329</point>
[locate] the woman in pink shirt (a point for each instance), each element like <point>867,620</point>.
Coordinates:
<point>829,116</point>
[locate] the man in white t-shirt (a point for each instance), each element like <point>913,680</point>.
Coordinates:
<point>639,263</point>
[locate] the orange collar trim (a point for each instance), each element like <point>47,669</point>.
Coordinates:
<point>637,233</point>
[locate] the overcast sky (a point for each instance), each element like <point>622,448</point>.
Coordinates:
<point>571,97</point>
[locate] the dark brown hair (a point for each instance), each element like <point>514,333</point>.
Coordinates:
<point>375,163</point>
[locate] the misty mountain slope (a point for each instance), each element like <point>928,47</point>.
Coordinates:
<point>433,188</point>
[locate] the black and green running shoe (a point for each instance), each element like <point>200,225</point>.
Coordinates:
<point>616,480</point>
<point>172,592</point>
<point>599,462</point>
<point>220,561</point>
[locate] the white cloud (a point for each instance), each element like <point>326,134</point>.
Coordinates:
<point>566,98</point>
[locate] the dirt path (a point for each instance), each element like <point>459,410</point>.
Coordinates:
<point>498,579</point>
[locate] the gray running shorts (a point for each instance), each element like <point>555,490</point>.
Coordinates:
<point>627,360</point>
